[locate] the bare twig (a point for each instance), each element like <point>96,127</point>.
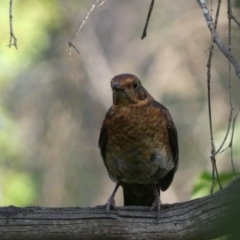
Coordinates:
<point>71,45</point>
<point>13,39</point>
<point>209,109</point>
<point>229,121</point>
<point>227,52</point>
<point>229,79</point>
<point>144,34</point>
<point>230,14</point>
<point>101,3</point>
<point>216,38</point>
<point>214,174</point>
<point>81,26</point>
<point>234,19</point>
<point>231,140</point>
<point>213,151</point>
<point>231,143</point>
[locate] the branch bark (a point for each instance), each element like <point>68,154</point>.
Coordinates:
<point>204,218</point>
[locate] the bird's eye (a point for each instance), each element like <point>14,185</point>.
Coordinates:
<point>135,85</point>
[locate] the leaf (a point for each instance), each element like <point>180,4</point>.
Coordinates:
<point>203,183</point>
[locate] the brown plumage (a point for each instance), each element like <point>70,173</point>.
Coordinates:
<point>138,144</point>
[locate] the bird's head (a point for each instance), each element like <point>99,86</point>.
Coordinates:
<point>127,89</point>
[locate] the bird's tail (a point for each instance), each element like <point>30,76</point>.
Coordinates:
<point>138,195</point>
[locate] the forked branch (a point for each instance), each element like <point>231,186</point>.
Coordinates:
<point>70,44</point>
<point>216,38</point>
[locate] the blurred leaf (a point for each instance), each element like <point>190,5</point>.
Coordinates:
<point>17,188</point>
<point>203,183</point>
<point>32,23</point>
<point>11,148</point>
<point>31,29</point>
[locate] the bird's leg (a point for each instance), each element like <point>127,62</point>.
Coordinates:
<point>111,202</point>
<point>157,202</point>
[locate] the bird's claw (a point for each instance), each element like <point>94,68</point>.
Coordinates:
<point>111,202</point>
<point>109,205</point>
<point>156,205</point>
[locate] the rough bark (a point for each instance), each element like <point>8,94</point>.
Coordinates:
<point>205,218</point>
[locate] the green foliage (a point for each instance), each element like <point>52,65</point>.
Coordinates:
<point>17,188</point>
<point>203,183</point>
<point>32,22</point>
<point>11,148</point>
<point>16,184</point>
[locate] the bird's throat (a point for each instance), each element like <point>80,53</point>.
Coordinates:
<point>121,98</point>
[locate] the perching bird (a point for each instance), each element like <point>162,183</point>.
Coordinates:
<point>138,144</point>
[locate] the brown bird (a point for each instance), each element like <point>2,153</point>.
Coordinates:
<point>138,144</point>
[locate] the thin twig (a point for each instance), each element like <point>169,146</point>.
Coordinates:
<point>216,38</point>
<point>13,39</point>
<point>144,34</point>
<point>230,14</point>
<point>210,114</point>
<point>209,80</point>
<point>229,120</point>
<point>81,26</point>
<point>231,144</point>
<point>101,3</point>
<point>217,13</point>
<point>229,79</point>
<point>71,45</point>
<point>235,20</point>
<point>213,151</point>
<point>214,174</point>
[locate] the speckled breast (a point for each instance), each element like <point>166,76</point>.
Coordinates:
<point>137,149</point>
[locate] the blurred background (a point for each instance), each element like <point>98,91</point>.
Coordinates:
<point>52,105</point>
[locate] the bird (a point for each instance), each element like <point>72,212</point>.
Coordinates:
<point>138,144</point>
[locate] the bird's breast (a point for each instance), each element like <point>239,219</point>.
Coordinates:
<point>138,146</point>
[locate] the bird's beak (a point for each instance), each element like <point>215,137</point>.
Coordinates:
<point>117,86</point>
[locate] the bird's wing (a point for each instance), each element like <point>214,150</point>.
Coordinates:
<point>172,132</point>
<point>165,182</point>
<point>173,139</point>
<point>102,142</point>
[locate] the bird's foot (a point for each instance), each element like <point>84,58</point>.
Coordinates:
<point>111,202</point>
<point>109,205</point>
<point>156,205</point>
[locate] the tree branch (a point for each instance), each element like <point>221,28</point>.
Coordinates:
<point>205,218</point>
<point>216,38</point>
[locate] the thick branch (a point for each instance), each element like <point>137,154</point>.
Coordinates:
<point>204,218</point>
